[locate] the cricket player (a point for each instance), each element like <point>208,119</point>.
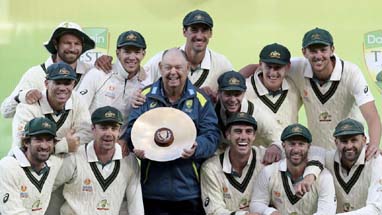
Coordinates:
<point>357,181</point>
<point>333,89</point>
<point>275,97</point>
<point>227,179</point>
<point>66,44</point>
<point>100,89</point>
<point>62,106</point>
<point>97,177</point>
<point>273,189</point>
<point>28,173</point>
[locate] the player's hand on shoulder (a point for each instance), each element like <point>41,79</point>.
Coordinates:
<point>272,154</point>
<point>33,96</point>
<point>137,99</point>
<point>248,70</point>
<point>104,63</point>
<point>372,150</point>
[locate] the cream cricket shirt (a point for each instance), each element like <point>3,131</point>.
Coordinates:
<point>360,189</point>
<point>212,66</point>
<point>272,113</point>
<point>93,188</point>
<point>225,192</point>
<point>99,89</point>
<point>34,79</point>
<point>22,190</point>
<point>274,187</point>
<point>335,100</point>
<point>75,116</point>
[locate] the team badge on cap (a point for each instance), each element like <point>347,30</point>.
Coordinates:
<point>46,125</point>
<point>131,37</point>
<point>297,129</point>
<point>275,54</point>
<point>234,81</point>
<point>199,17</point>
<point>316,37</point>
<point>109,114</point>
<point>63,72</point>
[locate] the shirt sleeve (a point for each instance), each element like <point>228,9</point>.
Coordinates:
<point>316,161</point>
<point>374,196</point>
<point>152,68</point>
<point>133,190</point>
<point>88,87</point>
<point>82,123</point>
<point>23,115</point>
<point>326,199</point>
<point>359,86</point>
<point>212,196</point>
<point>11,202</point>
<point>67,172</point>
<point>30,80</point>
<point>261,197</point>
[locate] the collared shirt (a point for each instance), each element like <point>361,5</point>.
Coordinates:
<point>76,116</point>
<point>105,169</point>
<point>99,89</point>
<point>337,99</point>
<point>23,190</point>
<point>274,187</point>
<point>272,113</point>
<point>95,188</point>
<point>33,79</point>
<point>358,191</point>
<point>223,192</point>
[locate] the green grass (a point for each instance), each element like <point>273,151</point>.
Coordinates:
<point>241,29</point>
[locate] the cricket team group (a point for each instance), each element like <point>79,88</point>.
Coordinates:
<point>72,151</point>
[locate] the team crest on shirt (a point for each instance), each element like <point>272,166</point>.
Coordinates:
<point>372,51</point>
<point>189,106</point>
<point>277,194</point>
<point>347,207</point>
<point>23,192</point>
<point>103,205</point>
<point>244,203</point>
<point>87,187</point>
<point>226,195</point>
<point>325,117</point>
<point>37,205</point>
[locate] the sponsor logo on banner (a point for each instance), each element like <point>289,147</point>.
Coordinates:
<point>372,49</point>
<point>101,36</point>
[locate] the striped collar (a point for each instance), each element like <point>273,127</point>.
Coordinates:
<point>23,160</point>
<point>336,74</point>
<point>360,161</point>
<point>47,109</point>
<point>92,157</point>
<point>260,86</point>
<point>206,62</point>
<point>227,166</point>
